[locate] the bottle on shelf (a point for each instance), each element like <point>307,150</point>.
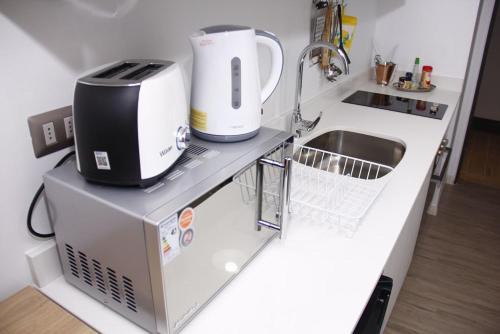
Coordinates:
<point>414,80</point>
<point>425,80</point>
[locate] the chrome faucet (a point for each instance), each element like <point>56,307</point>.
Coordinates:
<point>299,125</point>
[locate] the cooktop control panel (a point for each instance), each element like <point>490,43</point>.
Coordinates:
<point>398,104</point>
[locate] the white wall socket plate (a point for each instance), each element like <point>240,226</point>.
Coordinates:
<point>68,127</point>
<point>49,133</point>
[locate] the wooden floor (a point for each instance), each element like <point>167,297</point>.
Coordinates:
<point>481,157</point>
<point>30,312</point>
<point>453,284</point>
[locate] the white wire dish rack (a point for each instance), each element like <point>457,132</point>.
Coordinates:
<point>327,188</point>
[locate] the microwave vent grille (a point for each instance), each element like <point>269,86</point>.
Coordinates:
<point>87,276</point>
<point>99,276</point>
<point>193,164</point>
<point>173,175</point>
<point>194,156</point>
<point>108,282</point>
<point>73,266</point>
<point>183,159</point>
<point>128,291</point>
<point>113,285</point>
<point>196,149</point>
<point>199,151</point>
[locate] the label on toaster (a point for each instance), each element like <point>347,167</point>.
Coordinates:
<point>169,239</point>
<point>102,160</point>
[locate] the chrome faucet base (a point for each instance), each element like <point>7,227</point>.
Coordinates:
<point>302,125</point>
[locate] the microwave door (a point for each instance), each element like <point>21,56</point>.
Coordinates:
<point>217,237</point>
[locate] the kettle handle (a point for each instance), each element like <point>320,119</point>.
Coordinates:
<point>272,42</point>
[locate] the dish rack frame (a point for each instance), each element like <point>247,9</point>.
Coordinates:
<point>327,188</point>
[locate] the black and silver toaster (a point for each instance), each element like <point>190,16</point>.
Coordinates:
<point>130,122</point>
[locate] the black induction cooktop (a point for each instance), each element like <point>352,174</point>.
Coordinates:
<point>398,104</point>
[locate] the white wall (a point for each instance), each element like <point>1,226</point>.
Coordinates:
<point>439,32</point>
<point>46,44</point>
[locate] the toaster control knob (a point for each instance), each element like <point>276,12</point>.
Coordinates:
<point>183,137</point>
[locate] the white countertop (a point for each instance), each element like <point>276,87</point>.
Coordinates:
<point>317,280</point>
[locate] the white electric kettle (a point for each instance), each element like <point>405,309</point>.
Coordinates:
<point>226,95</point>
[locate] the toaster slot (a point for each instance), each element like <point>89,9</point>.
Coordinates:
<point>109,73</point>
<point>142,72</point>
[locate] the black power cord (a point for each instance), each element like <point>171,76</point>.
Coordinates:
<point>35,200</point>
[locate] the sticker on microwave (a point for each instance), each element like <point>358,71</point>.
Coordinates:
<point>169,239</point>
<point>186,225</point>
<point>186,218</point>
<point>102,160</point>
<point>187,237</point>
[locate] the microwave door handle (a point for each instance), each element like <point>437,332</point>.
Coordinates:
<point>284,194</point>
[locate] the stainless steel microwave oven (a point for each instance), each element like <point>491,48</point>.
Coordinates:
<point>158,255</point>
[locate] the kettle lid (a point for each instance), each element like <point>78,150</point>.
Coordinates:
<point>223,28</point>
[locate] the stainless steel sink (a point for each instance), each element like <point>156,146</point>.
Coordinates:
<point>356,145</point>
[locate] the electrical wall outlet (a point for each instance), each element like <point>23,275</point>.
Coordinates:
<point>68,126</point>
<point>51,131</point>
